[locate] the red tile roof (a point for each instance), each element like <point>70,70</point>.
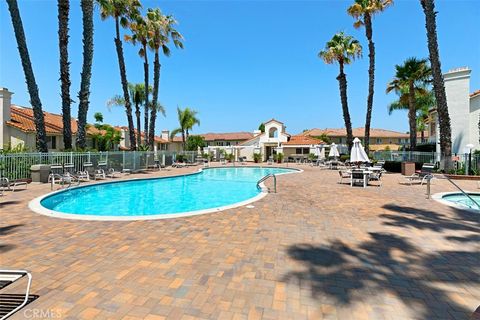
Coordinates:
<point>230,136</point>
<point>303,140</point>
<point>23,119</point>
<point>475,93</point>
<point>357,132</point>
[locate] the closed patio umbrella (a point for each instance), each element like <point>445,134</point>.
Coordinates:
<point>320,152</point>
<point>358,154</point>
<point>333,151</point>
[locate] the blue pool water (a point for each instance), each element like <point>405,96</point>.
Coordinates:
<point>206,190</point>
<point>463,200</point>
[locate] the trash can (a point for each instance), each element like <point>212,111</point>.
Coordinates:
<point>408,168</point>
<point>40,172</point>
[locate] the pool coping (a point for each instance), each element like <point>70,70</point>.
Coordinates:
<point>36,206</point>
<point>439,198</point>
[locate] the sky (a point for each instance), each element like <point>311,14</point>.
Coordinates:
<point>244,62</point>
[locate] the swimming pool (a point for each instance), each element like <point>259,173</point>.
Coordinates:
<point>208,190</point>
<point>461,200</point>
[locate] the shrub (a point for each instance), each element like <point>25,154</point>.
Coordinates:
<point>280,157</point>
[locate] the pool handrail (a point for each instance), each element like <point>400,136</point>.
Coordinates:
<point>457,186</point>
<point>265,178</point>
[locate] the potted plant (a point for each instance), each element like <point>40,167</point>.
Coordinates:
<point>257,157</point>
<point>280,157</point>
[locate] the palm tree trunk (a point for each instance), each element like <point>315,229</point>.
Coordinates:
<point>412,116</point>
<point>84,93</point>
<point>63,11</point>
<point>371,79</point>
<point>126,95</point>
<point>145,70</point>
<point>342,80</point>
<point>139,129</point>
<point>41,136</point>
<point>438,84</point>
<point>183,139</point>
<point>156,87</point>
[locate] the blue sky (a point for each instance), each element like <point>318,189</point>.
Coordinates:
<point>244,62</point>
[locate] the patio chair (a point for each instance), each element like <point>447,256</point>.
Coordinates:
<point>223,162</point>
<point>270,160</point>
<point>343,175</point>
<point>375,176</point>
<point>11,185</point>
<point>11,303</point>
<point>420,176</point>
<point>359,177</point>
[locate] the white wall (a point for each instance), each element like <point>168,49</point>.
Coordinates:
<point>474,118</point>
<point>457,87</point>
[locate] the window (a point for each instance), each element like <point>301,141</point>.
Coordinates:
<point>273,133</point>
<point>378,141</point>
<point>298,151</point>
<point>52,142</point>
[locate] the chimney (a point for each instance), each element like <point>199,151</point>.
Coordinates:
<point>166,135</point>
<point>5,115</point>
<point>457,87</point>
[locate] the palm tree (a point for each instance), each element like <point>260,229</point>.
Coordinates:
<point>63,12</point>
<point>121,11</point>
<point>363,11</point>
<point>84,93</point>
<point>424,100</point>
<point>163,28</point>
<point>187,118</point>
<point>41,136</point>
<point>137,94</point>
<point>412,75</point>
<point>342,49</point>
<point>438,84</point>
<point>141,34</point>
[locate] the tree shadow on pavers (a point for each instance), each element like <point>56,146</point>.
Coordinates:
<point>3,204</point>
<point>386,264</point>
<point>407,217</point>
<point>9,229</point>
<point>5,230</point>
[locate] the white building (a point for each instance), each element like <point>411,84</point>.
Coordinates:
<point>464,111</point>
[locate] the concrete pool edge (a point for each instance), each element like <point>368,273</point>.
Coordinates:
<point>36,206</point>
<point>439,198</point>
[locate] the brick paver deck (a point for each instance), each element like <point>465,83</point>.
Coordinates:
<point>314,250</point>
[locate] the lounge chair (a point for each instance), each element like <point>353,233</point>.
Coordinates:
<point>59,175</point>
<point>420,176</point>
<point>11,303</point>
<point>176,164</point>
<point>95,173</point>
<point>11,185</point>
<point>343,175</point>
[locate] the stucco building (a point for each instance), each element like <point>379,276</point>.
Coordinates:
<point>464,111</point>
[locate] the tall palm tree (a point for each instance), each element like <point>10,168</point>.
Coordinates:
<point>342,49</point>
<point>412,75</point>
<point>438,84</point>
<point>163,28</point>
<point>141,34</point>
<point>63,12</point>
<point>84,93</point>
<point>41,136</point>
<point>363,11</point>
<point>187,118</point>
<point>121,11</point>
<point>424,100</point>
